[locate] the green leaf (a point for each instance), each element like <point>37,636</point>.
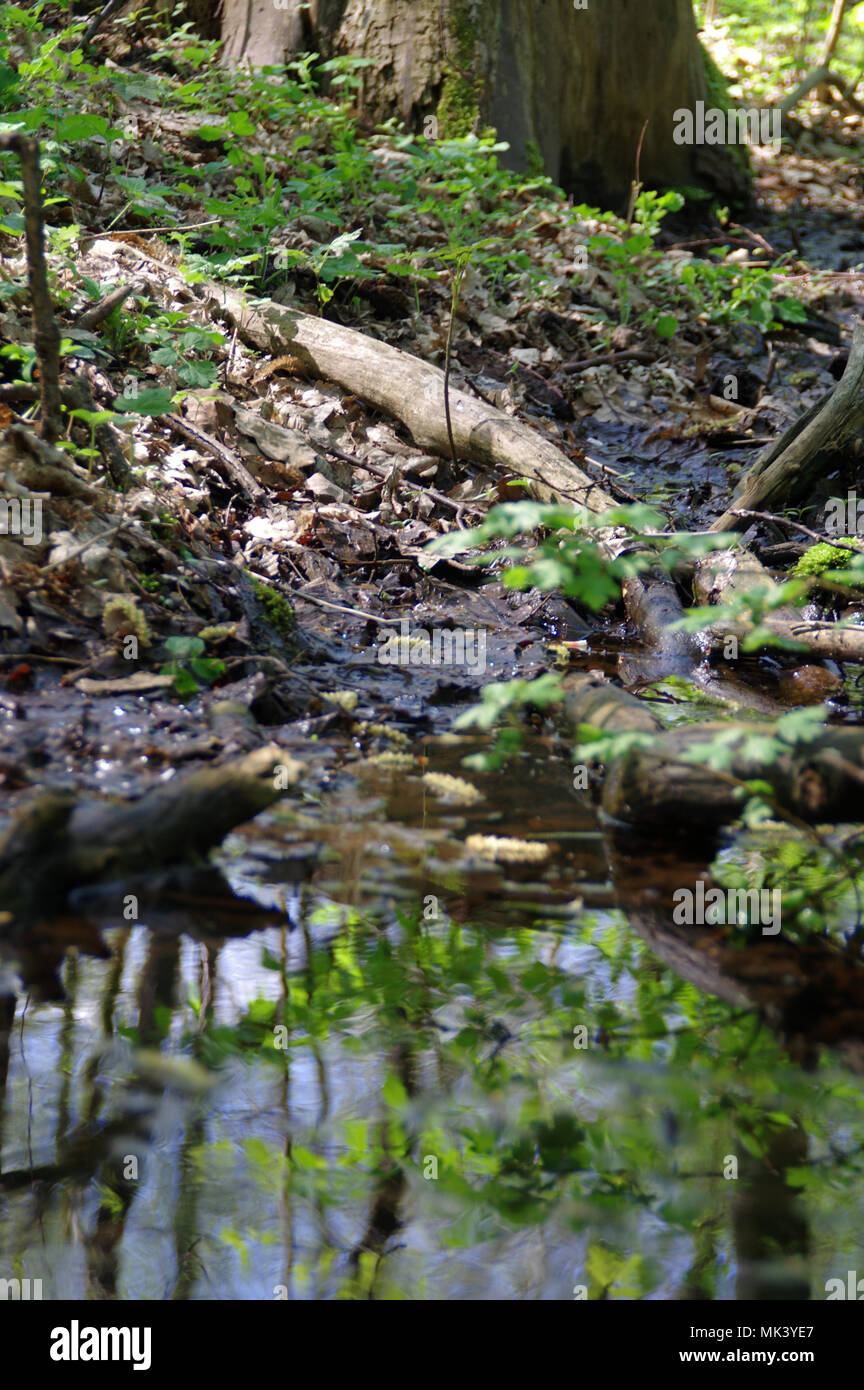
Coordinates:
<point>155,401</point>
<point>240,123</point>
<point>80,126</point>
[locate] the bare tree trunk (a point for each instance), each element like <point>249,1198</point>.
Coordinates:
<point>838,10</point>
<point>568,88</point>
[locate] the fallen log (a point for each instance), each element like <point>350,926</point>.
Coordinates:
<point>656,788</point>
<point>83,841</point>
<point>590,699</point>
<point>728,573</point>
<point>783,472</point>
<point>412,391</point>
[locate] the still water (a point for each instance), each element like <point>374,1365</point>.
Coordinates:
<point>386,1070</point>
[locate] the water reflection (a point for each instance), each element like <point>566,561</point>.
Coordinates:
<point>375,1071</point>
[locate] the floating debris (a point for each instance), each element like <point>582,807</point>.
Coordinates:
<point>365,729</point>
<point>345,699</point>
<point>507,851</point>
<point>395,760</point>
<point>451,788</point>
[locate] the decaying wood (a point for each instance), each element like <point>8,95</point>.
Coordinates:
<point>229,465</point>
<point>97,313</point>
<point>60,842</point>
<point>784,470</point>
<point>590,699</point>
<point>413,391</point>
<point>654,607</point>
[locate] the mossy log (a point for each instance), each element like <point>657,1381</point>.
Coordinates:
<point>660,791</point>
<point>659,788</point>
<point>727,574</point>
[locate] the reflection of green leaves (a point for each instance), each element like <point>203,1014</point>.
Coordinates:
<point>515,1141</point>
<point>612,1274</point>
<point>394,1093</point>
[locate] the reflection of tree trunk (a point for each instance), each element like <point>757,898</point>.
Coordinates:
<point>67,1045</point>
<point>7,1019</point>
<point>103,1241</point>
<point>110,993</point>
<point>186,1211</point>
<point>769,1223</point>
<point>186,1232</point>
<point>156,988</point>
<point>385,1218</point>
<point>285,1196</point>
<point>699,1279</point>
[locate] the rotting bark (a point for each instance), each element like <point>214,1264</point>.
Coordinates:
<point>413,391</point>
<point>820,781</point>
<point>590,699</point>
<point>232,468</point>
<point>78,842</point>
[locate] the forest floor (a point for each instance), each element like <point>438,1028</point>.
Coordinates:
<point>246,586</point>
